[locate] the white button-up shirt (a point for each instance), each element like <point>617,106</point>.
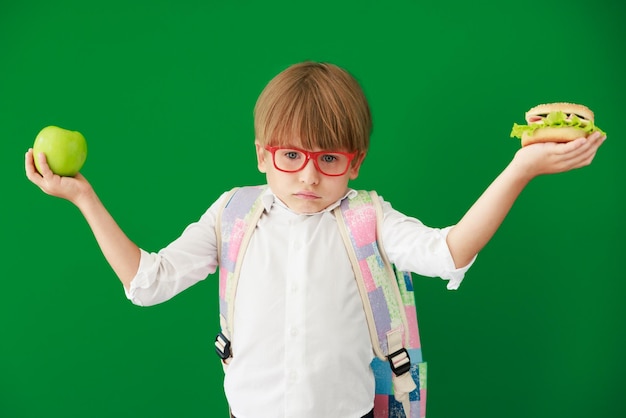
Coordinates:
<point>301,345</point>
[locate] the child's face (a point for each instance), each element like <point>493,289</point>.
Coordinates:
<point>307,190</point>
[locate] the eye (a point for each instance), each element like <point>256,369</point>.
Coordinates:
<point>328,158</point>
<point>292,155</point>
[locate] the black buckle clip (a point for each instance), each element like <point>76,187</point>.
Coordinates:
<point>400,362</point>
<point>222,346</point>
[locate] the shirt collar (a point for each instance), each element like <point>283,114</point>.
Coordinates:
<point>269,199</point>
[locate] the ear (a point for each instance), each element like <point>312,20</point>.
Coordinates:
<point>356,166</point>
<point>261,156</point>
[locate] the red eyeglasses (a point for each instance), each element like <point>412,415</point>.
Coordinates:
<point>329,163</point>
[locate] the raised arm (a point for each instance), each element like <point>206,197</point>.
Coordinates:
<point>120,252</point>
<point>484,218</point>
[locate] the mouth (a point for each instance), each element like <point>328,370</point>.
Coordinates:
<point>306,195</point>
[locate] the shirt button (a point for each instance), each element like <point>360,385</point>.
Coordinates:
<point>293,376</point>
<point>297,245</point>
<point>293,332</point>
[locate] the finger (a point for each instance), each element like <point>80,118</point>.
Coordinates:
<point>579,146</point>
<point>571,147</point>
<point>29,166</point>
<point>583,161</point>
<point>44,168</point>
<point>594,141</point>
<point>28,160</point>
<point>597,143</point>
<point>595,136</point>
<point>584,157</point>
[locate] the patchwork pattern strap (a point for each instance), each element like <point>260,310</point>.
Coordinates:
<point>389,305</point>
<point>236,224</point>
<point>386,311</point>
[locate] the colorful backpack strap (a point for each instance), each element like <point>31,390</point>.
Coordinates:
<point>234,227</point>
<point>389,306</point>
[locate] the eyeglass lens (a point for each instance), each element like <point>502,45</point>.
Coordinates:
<point>327,162</point>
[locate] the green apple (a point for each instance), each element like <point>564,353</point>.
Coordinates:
<point>65,150</point>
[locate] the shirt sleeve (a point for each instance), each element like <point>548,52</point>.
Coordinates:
<point>413,246</point>
<point>184,262</point>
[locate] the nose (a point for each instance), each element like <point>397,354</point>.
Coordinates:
<point>309,174</point>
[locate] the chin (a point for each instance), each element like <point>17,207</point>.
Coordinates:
<point>305,208</point>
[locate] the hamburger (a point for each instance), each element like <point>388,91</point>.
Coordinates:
<point>555,122</point>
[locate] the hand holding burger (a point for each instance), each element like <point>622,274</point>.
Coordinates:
<point>555,122</point>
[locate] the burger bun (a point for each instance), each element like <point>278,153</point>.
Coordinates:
<point>582,111</point>
<point>552,134</point>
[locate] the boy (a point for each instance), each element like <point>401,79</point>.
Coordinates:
<point>301,343</point>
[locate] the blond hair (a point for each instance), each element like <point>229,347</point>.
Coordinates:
<point>314,105</point>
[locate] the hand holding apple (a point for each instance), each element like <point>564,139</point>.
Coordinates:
<point>65,150</point>
<point>75,189</point>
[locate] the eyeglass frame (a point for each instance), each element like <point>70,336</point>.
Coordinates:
<point>311,155</point>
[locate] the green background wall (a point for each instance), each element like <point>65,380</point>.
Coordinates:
<point>164,92</point>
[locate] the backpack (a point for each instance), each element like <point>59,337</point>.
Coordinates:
<point>387,295</point>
